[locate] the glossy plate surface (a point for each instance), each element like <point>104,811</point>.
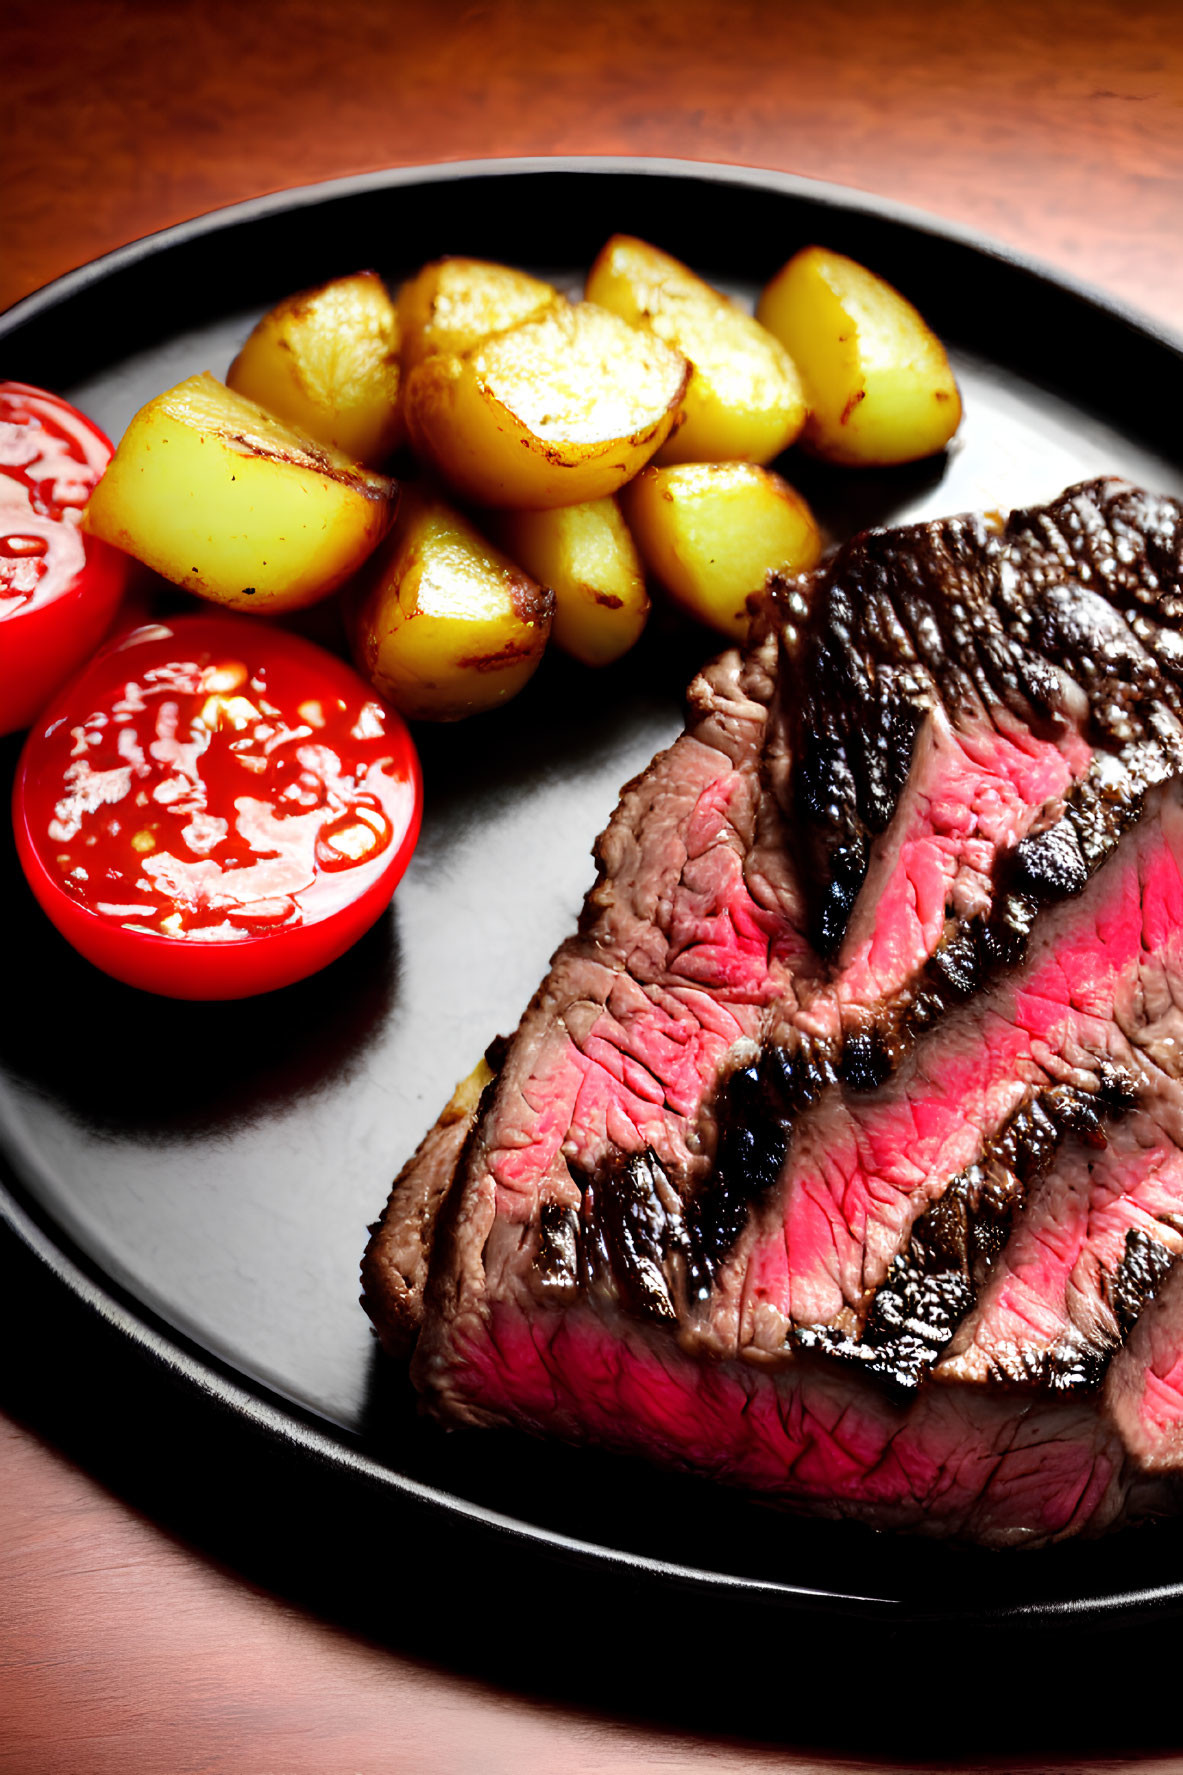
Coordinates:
<point>200,1177</point>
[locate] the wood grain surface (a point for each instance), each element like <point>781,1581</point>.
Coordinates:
<point>1054,126</point>
<point>124,1652</point>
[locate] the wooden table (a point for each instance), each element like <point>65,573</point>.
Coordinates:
<point>1057,127</point>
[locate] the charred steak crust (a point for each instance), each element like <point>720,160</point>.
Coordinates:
<point>932,1285</point>
<point>840,1153</point>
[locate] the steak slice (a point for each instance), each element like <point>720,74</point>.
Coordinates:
<point>838,1154</point>
<point>860,1168</point>
<point>1098,1237</point>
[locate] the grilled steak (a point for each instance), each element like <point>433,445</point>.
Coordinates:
<point>840,1153</point>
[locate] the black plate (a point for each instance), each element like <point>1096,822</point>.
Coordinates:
<point>198,1179</point>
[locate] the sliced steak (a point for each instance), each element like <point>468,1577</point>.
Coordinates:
<point>838,1155</point>
<point>1099,1235</point>
<point>860,1168</point>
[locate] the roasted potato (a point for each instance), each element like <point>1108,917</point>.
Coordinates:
<point>878,381</point>
<point>448,625</point>
<point>562,409</point>
<point>452,304</point>
<point>585,554</point>
<point>212,492</point>
<point>745,401</point>
<point>467,1094</point>
<point>327,361</point>
<point>713,533</point>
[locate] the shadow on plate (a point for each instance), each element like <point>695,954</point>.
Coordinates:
<point>845,501</point>
<point>566,717</point>
<point>124,1062</point>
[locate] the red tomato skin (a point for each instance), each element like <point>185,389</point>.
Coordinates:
<point>43,644</point>
<point>250,965</point>
<point>181,970</point>
<point>41,648</point>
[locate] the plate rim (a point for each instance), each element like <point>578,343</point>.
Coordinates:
<point>847,197</point>
<point>283,1421</point>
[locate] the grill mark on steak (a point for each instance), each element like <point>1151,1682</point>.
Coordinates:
<point>1035,620</point>
<point>557,1260</point>
<point>631,1222</point>
<point>902,622</point>
<point>1140,1275</point>
<point>754,1116</point>
<point>934,1284</point>
<point>1042,869</point>
<point>618,1244</point>
<point>1099,1235</point>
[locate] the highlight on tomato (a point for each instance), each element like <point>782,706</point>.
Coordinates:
<point>59,589</point>
<point>215,808</point>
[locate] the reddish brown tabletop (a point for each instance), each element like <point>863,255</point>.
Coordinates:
<point>1056,127</point>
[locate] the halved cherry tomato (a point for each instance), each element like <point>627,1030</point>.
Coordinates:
<point>215,807</point>
<point>58,588</point>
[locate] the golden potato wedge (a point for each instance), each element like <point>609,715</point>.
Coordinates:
<point>878,381</point>
<point>745,401</point>
<point>213,493</point>
<point>327,361</point>
<point>562,409</point>
<point>585,554</point>
<point>467,1094</point>
<point>452,304</point>
<point>713,532</point>
<point>449,625</point>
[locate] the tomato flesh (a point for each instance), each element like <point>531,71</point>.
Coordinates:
<point>216,808</point>
<point>58,588</point>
